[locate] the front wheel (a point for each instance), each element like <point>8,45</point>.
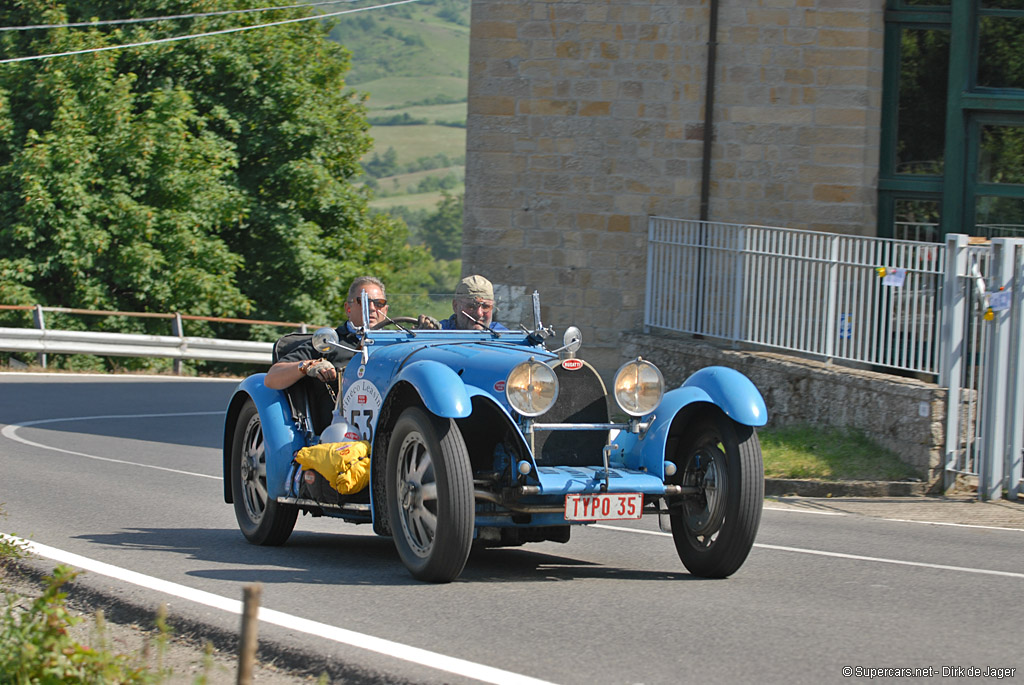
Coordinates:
<point>261,520</point>
<point>714,530</point>
<point>430,495</point>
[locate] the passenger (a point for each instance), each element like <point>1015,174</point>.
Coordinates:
<point>472,307</point>
<point>304,360</point>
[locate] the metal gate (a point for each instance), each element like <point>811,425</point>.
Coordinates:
<point>983,368</point>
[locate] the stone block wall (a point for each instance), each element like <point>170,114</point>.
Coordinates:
<point>905,414</point>
<point>587,116</point>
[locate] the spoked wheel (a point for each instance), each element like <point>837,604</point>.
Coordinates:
<point>430,495</point>
<point>395,320</point>
<point>715,529</point>
<point>262,521</point>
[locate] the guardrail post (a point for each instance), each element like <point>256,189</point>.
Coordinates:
<point>40,323</point>
<point>953,348</point>
<point>177,329</point>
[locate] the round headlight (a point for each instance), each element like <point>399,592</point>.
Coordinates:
<point>531,388</point>
<point>639,387</point>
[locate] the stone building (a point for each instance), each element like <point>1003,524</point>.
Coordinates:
<point>588,116</point>
<point>896,118</point>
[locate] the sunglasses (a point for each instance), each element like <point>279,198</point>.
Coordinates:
<point>379,303</point>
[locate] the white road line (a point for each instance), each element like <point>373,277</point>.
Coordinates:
<point>840,555</point>
<point>957,525</point>
<point>805,511</point>
<point>423,657</point>
<point>10,432</point>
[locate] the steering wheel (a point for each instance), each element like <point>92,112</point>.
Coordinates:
<point>394,319</point>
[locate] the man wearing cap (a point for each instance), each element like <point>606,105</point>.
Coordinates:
<point>472,307</point>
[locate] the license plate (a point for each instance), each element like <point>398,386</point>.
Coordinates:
<point>604,507</point>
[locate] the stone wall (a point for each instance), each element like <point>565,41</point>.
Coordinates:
<point>904,414</point>
<point>587,116</point>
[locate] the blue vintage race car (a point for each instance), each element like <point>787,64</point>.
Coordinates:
<point>490,438</point>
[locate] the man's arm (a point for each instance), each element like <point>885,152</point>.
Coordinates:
<point>284,373</point>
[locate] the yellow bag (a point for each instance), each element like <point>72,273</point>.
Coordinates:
<point>345,465</point>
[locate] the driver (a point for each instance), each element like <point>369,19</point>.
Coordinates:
<point>304,360</point>
<point>472,307</point>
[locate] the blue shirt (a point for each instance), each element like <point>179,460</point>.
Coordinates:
<point>449,325</point>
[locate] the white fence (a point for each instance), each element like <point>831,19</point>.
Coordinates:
<point>840,297</point>
<point>952,311</point>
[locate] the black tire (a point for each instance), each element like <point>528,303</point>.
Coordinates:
<point>261,520</point>
<point>715,530</point>
<point>430,496</point>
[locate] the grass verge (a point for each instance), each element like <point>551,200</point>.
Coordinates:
<point>828,454</point>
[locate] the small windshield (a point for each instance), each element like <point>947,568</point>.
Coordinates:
<point>513,306</point>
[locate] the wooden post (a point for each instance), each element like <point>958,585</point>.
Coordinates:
<point>248,641</point>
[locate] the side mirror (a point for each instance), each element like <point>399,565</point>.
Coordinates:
<point>324,339</point>
<point>572,339</point>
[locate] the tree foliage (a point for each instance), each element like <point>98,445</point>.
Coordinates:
<point>442,230</point>
<point>209,176</point>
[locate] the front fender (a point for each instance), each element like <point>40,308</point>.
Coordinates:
<point>442,391</point>
<point>729,390</point>
<point>732,392</point>
<point>281,439</point>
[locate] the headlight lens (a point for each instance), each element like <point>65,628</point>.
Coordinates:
<point>531,388</point>
<point>639,387</point>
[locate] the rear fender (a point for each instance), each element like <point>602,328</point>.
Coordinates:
<point>715,386</point>
<point>440,389</point>
<point>281,439</point>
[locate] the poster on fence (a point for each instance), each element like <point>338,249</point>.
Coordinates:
<point>895,277</point>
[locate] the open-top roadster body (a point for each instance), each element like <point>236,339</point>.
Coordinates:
<point>486,437</point>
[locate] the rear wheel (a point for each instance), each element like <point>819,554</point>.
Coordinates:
<point>261,520</point>
<point>714,530</point>
<point>430,495</point>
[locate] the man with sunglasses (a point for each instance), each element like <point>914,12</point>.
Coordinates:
<point>472,307</point>
<point>303,360</point>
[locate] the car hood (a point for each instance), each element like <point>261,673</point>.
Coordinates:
<point>483,364</point>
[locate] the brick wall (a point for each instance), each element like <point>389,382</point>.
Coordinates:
<point>587,116</point>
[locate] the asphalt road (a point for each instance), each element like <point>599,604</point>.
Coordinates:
<point>126,471</point>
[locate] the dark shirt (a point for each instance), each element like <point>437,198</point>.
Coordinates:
<point>449,325</point>
<point>321,398</point>
<point>337,356</point>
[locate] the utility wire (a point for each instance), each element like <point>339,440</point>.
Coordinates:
<point>203,35</point>
<point>139,20</point>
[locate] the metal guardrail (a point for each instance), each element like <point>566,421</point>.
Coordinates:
<point>128,345</point>
<point>177,346</point>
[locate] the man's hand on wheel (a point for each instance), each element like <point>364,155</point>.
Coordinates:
<point>428,322</point>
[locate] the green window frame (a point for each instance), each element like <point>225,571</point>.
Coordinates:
<point>974,114</point>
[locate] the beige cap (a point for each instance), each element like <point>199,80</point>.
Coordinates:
<point>476,287</point>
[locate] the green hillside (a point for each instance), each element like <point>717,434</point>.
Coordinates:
<point>421,39</point>
<point>412,63</point>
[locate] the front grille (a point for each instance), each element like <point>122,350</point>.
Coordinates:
<point>581,399</point>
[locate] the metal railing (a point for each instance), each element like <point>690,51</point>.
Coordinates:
<point>954,310</point>
<point>177,346</point>
<point>867,300</point>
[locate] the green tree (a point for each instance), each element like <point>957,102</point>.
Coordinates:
<point>208,176</point>
<point>442,230</point>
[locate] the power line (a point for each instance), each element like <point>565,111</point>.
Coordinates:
<point>203,35</point>
<point>139,20</point>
